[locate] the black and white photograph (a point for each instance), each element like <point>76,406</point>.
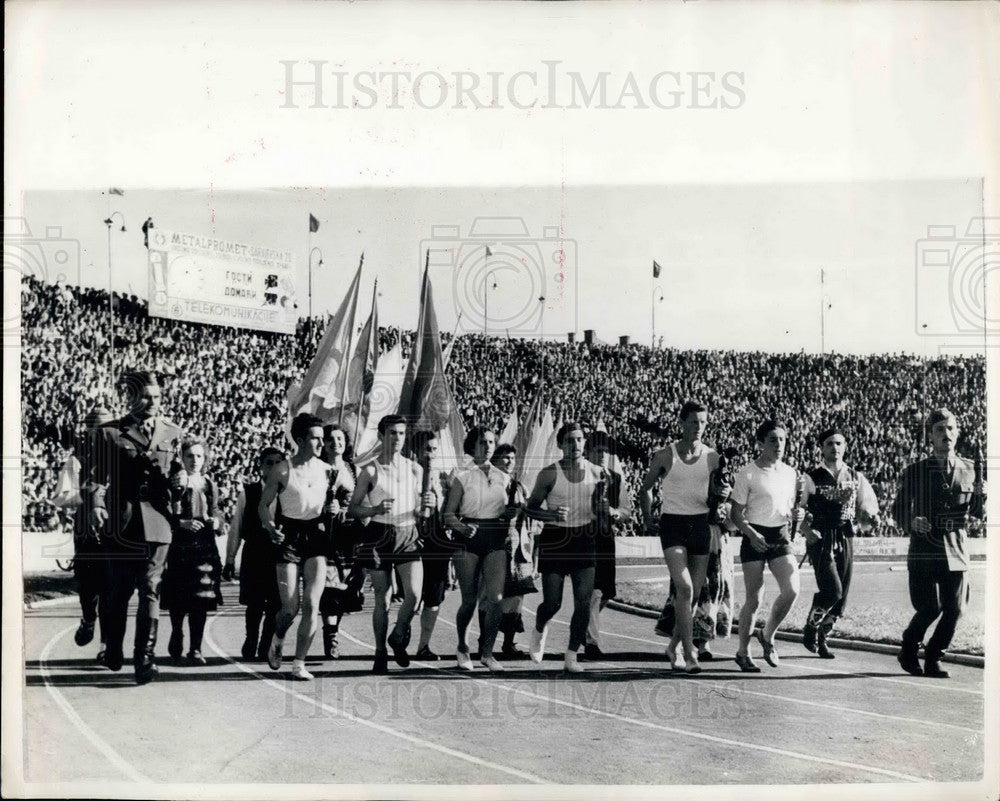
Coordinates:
<point>500,400</point>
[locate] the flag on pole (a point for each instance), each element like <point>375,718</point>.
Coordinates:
<point>426,400</point>
<point>320,390</point>
<point>509,433</point>
<point>313,224</point>
<point>656,269</point>
<point>361,375</point>
<point>522,439</point>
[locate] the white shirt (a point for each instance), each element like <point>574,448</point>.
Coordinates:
<point>684,489</point>
<point>484,494</point>
<point>768,494</point>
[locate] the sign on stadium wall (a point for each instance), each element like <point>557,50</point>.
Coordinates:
<point>204,279</point>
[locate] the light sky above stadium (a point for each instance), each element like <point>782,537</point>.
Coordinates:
<point>741,264</point>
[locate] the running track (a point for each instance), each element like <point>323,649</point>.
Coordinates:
<point>626,721</point>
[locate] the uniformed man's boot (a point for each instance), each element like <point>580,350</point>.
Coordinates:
<point>809,637</point>
<point>932,665</point>
<point>822,648</point>
<point>907,658</point>
<point>145,664</point>
<point>266,635</point>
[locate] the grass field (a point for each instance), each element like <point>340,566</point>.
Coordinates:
<point>878,611</point>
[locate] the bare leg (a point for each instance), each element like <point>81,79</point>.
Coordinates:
<point>786,571</point>
<point>313,579</point>
<point>753,580</point>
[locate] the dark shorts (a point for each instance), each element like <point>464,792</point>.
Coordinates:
<point>777,541</point>
<point>435,577</point>
<point>565,550</point>
<point>304,539</point>
<point>387,546</point>
<point>686,531</point>
<point>491,535</point>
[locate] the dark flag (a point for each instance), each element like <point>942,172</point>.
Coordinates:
<point>656,270</point>
<point>313,224</point>
<point>145,231</point>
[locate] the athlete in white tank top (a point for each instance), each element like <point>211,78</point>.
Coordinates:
<point>304,494</point>
<point>576,497</point>
<point>395,481</point>
<point>684,488</point>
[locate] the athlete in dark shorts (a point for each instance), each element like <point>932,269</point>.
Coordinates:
<point>566,545</point>
<point>475,512</point>
<point>436,549</point>
<point>684,471</point>
<point>388,492</point>
<point>762,507</point>
<point>300,536</point>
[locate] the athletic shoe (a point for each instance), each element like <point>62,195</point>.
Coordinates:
<point>592,651</point>
<point>425,654</point>
<point>770,655</point>
<point>84,633</point>
<point>464,659</point>
<point>196,659</point>
<point>490,662</point>
<point>299,673</point>
<point>274,653</point>
<point>747,665</point>
<point>536,650</point>
<point>908,661</point>
<point>933,669</point>
<point>693,668</point>
<point>705,655</point>
<point>571,665</point>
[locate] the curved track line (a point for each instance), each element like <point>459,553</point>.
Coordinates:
<point>520,774</point>
<point>660,727</point>
<point>93,737</point>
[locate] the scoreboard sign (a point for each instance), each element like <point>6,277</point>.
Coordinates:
<point>204,279</point>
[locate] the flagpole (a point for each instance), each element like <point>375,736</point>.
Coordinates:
<point>822,311</point>
<point>347,351</point>
<point>486,294</point>
<point>373,338</point>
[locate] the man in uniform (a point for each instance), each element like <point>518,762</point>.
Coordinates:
<point>129,485</point>
<point>933,505</point>
<point>837,498</point>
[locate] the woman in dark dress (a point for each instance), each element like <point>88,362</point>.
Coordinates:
<point>191,583</point>
<point>258,582</point>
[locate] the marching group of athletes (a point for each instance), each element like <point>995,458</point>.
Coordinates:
<point>316,518</point>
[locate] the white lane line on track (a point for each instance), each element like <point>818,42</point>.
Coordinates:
<point>937,685</point>
<point>529,777</point>
<point>932,723</point>
<point>93,737</point>
<point>495,682</point>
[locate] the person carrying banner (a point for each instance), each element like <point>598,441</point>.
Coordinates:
<point>933,504</point>
<point>837,498</point>
<point>258,576</point>
<point>598,453</point>
<point>436,549</point>
<point>389,493</point>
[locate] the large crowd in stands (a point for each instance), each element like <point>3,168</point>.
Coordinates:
<point>228,385</point>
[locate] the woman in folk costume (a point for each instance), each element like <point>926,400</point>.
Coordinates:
<point>191,583</point>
